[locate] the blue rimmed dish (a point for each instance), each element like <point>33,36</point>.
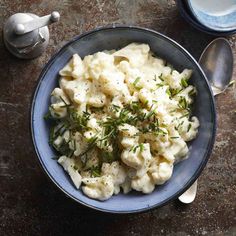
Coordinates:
<point>185,172</point>
<point>187,15</point>
<point>215,15</point>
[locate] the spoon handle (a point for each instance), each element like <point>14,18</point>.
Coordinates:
<point>189,195</point>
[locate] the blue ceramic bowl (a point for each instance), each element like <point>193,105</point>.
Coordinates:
<point>185,173</point>
<point>219,16</point>
<point>187,15</point>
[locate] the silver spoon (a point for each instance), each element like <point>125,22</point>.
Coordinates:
<point>217,63</point>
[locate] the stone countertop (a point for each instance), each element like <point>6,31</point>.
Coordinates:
<point>31,205</point>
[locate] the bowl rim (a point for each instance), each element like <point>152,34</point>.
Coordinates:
<point>212,101</point>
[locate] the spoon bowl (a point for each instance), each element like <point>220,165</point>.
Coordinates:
<point>217,63</point>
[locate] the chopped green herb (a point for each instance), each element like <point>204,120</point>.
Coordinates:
<point>108,157</point>
<point>54,111</point>
<point>175,91</point>
<point>136,82</point>
<point>115,107</point>
<point>160,132</point>
<point>92,144</point>
<point>59,131</point>
<point>48,116</point>
<point>95,171</point>
<point>65,104</point>
<point>168,92</point>
<point>184,83</point>
<point>189,127</point>
<point>192,92</point>
<point>64,149</point>
<point>76,122</point>
<point>185,115</point>
<point>51,135</point>
<point>150,114</point>
<point>124,129</point>
<point>145,103</point>
<point>183,104</point>
<point>141,147</point>
<point>160,85</point>
<point>174,137</point>
<point>135,106</point>
<point>161,77</point>
<point>134,148</point>
<point>181,123</point>
<point>172,111</point>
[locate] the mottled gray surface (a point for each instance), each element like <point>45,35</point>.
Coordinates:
<point>31,205</point>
